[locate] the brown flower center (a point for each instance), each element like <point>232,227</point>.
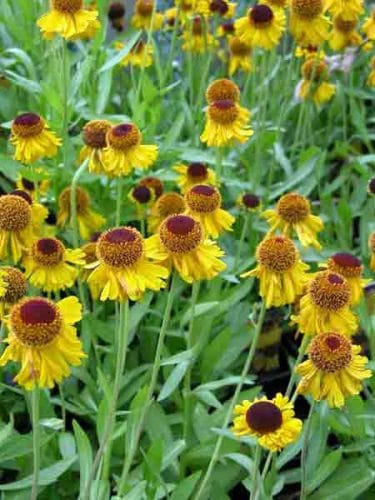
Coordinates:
<point>15,284</point>
<point>345,264</point>
<point>293,207</point>
<point>223,112</point>
<point>67,6</point>
<point>116,11</point>
<point>307,9</point>
<point>221,90</point>
<point>197,28</point>
<point>180,234</point>
<point>123,136</point>
<point>329,291</point>
<point>228,27</point>
<point>314,70</point>
<point>28,185</point>
<point>170,204</point>
<point>35,321</point>
<point>83,200</point>
<point>154,184</point>
<point>197,171</point>
<point>330,352</point>
<point>95,132</point>
<point>239,48</point>
<point>15,213</point>
<point>264,417</point>
<point>343,25</point>
<point>120,247</point>
<point>27,125</point>
<point>219,6</point>
<point>144,7</point>
<point>250,200</point>
<point>203,198</point>
<point>142,194</point>
<point>48,252</point>
<point>277,254</point>
<point>261,15</point>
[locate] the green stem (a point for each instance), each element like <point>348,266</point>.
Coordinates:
<point>169,65</point>
<point>219,162</point>
<point>63,407</point>
<point>122,334</point>
<point>303,494</point>
<point>148,42</point>
<point>153,380</point>
<point>301,353</point>
<point>187,379</point>
<point>36,441</point>
<point>255,469</point>
<point>266,465</point>
<point>233,402</point>
<point>118,202</point>
<point>65,97</point>
<point>245,230</point>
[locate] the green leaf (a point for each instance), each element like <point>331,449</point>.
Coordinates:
<point>119,55</point>
<point>185,488</point>
<point>173,380</point>
<point>85,455</point>
<point>47,476</point>
<point>349,480</point>
<point>328,465</point>
<point>199,309</point>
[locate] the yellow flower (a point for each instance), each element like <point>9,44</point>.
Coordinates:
<point>20,223</point>
<point>368,27</point>
<point>308,25</point>
<point>125,152</point>
<point>94,137</point>
<point>193,174</point>
<point>334,370</point>
<point>88,220</point>
<point>325,307</point>
<point>293,215</point>
<point>348,9</point>
<point>69,19</point>
<point>351,268</point>
<point>168,204</point>
<point>204,204</point>
<point>248,201</point>
<point>50,266</point>
<point>180,244</point>
<point>270,421</point>
<point>371,76</point>
<point>239,56</point>
<point>140,55</point>
<point>344,34</point>
<point>262,27</point>
<point>226,122</point>
<point>221,8</point>
<point>281,273</point>
<point>196,38</point>
<point>123,270</point>
<point>143,17</point>
<point>12,288</point>
<point>371,245</point>
<point>309,51</point>
<point>33,189</point>
<point>43,339</point>
<point>314,85</point>
<point>32,139</point>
